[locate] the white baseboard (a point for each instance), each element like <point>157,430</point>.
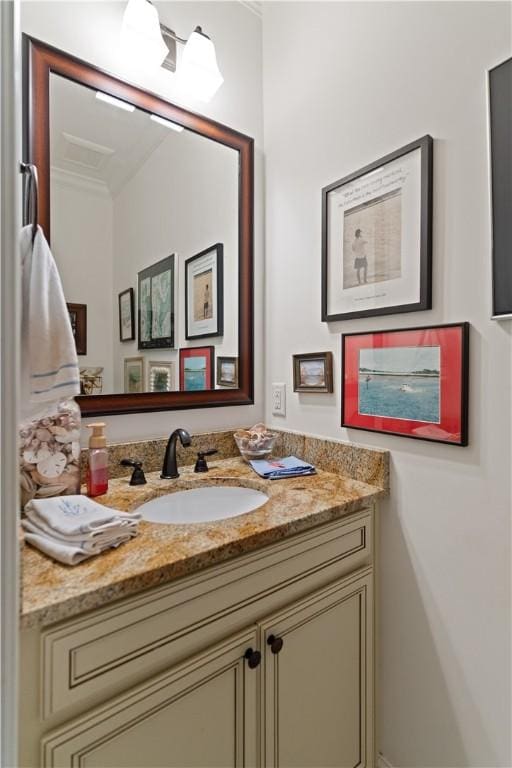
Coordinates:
<point>382,762</point>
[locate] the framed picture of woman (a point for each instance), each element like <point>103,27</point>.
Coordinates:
<point>204,306</point>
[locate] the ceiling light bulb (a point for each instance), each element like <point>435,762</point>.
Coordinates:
<point>198,73</point>
<point>166,123</point>
<point>141,35</point>
<point>114,102</point>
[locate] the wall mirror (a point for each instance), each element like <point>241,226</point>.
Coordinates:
<point>149,212</point>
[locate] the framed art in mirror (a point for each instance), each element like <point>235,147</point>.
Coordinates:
<point>58,88</point>
<point>204,293</point>
<point>78,320</point>
<point>377,237</point>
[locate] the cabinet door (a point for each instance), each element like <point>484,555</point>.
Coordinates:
<point>200,713</point>
<point>318,680</point>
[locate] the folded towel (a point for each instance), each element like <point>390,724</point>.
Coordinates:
<point>290,466</point>
<point>49,365</point>
<point>65,553</point>
<point>71,516</point>
<point>93,543</point>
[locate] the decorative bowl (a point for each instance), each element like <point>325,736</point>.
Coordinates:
<point>256,443</point>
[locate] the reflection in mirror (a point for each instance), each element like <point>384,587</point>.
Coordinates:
<point>145,235</point>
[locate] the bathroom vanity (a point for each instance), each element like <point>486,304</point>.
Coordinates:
<point>247,641</point>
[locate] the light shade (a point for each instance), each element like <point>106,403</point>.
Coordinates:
<point>140,34</point>
<point>198,73</point>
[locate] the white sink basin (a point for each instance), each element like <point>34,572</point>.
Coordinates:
<point>202,505</point>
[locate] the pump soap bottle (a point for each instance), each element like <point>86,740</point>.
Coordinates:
<point>97,470</point>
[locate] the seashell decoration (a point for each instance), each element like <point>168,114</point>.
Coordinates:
<point>49,452</point>
<point>256,442</point>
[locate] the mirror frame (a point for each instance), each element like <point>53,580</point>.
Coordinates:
<point>39,61</point>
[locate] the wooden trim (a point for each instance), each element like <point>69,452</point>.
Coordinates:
<point>40,60</point>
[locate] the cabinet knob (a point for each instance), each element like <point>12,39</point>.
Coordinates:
<point>276,643</point>
<point>253,658</point>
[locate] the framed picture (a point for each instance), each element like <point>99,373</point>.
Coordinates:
<point>161,376</point>
<point>204,305</point>
<point>312,372</point>
<point>227,372</point>
<point>411,382</point>
<point>196,368</point>
<point>91,381</point>
<point>78,320</point>
<point>156,305</point>
<point>127,315</point>
<point>134,375</point>
<point>500,131</point>
<point>377,237</point>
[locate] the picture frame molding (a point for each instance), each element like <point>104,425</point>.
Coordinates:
<point>464,416</point>
<point>131,293</point>
<point>191,350</point>
<point>157,343</point>
<point>425,144</point>
<point>327,357</point>
<point>219,248</point>
<point>223,383</point>
<point>80,336</point>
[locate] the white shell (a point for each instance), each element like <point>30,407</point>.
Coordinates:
<point>35,456</point>
<point>53,465</point>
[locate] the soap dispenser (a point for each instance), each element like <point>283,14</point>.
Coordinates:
<point>97,469</point>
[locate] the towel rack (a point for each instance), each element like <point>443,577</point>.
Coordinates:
<point>30,196</point>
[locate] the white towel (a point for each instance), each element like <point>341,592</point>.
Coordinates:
<point>49,369</point>
<point>65,553</point>
<point>93,543</point>
<point>72,516</point>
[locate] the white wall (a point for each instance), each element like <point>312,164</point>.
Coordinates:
<point>344,84</point>
<point>186,195</point>
<point>90,31</point>
<point>82,244</point>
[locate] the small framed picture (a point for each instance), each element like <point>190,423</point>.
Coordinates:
<point>196,368</point>
<point>204,306</point>
<point>127,315</point>
<point>227,372</point>
<point>161,376</point>
<point>312,372</point>
<point>134,375</point>
<point>411,382</point>
<point>78,320</point>
<point>377,237</point>
<point>156,305</point>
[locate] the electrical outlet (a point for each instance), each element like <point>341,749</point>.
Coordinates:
<point>279,399</point>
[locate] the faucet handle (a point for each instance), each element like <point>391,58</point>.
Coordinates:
<point>138,477</point>
<point>201,465</point>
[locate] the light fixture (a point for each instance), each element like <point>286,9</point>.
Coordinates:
<point>140,33</point>
<point>166,123</point>
<point>198,72</point>
<point>143,35</point>
<point>114,102</point>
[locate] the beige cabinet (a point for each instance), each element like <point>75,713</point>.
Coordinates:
<point>318,688</point>
<point>202,713</point>
<point>166,678</point>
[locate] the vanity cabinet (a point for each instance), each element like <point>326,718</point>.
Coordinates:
<point>265,660</point>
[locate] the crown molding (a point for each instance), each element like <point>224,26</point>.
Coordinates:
<point>79,181</point>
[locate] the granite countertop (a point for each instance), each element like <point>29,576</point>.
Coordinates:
<point>160,553</point>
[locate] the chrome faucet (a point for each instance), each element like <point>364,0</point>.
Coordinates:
<point>170,466</point>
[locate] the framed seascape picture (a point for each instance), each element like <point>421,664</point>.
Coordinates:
<point>204,304</point>
<point>312,372</point>
<point>411,382</point>
<point>500,133</point>
<point>127,315</point>
<point>161,376</point>
<point>196,368</point>
<point>134,375</point>
<point>78,320</point>
<point>227,371</point>
<point>377,237</point>
<point>156,305</point>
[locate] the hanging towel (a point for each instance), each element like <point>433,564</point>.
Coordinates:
<point>49,365</point>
